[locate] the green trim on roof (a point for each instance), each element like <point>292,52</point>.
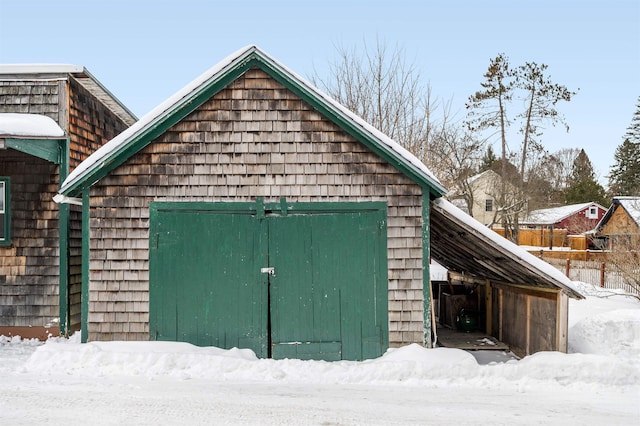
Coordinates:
<point>426,269</point>
<point>52,150</point>
<point>218,83</point>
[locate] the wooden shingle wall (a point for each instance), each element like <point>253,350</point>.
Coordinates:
<point>253,139</point>
<point>91,123</point>
<point>29,269</point>
<point>44,97</point>
<point>75,267</point>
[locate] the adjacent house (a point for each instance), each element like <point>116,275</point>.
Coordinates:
<point>574,218</point>
<point>560,226</point>
<point>51,118</point>
<point>251,210</point>
<point>482,197</point>
<point>619,228</point>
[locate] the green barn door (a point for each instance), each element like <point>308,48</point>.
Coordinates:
<point>205,282</point>
<point>329,290</point>
<point>301,280</point>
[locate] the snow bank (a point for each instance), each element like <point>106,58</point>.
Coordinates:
<point>607,322</point>
<point>612,333</point>
<point>409,365</point>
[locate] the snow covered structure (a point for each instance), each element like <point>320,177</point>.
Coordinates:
<point>251,210</point>
<point>51,118</point>
<point>483,197</point>
<point>619,228</point>
<point>575,218</point>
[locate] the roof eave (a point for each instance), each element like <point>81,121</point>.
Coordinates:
<point>175,109</point>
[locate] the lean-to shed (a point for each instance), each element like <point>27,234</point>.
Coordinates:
<point>51,118</point>
<point>251,210</point>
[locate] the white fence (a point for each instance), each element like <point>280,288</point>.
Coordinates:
<point>593,272</point>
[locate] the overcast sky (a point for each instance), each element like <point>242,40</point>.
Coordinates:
<point>145,50</point>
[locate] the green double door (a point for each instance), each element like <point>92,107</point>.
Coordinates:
<point>287,280</point>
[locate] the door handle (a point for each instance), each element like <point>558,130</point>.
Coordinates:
<point>270,270</point>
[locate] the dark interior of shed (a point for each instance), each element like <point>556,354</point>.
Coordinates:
<point>461,316</point>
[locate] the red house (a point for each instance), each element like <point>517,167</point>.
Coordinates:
<point>575,218</point>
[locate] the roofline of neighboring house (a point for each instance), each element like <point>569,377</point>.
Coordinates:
<point>17,72</point>
<point>171,111</point>
<point>615,202</point>
<point>576,210</point>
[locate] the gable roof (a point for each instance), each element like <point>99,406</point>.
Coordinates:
<point>462,244</point>
<point>482,175</point>
<point>9,72</point>
<point>186,100</point>
<point>631,206</point>
<point>556,214</point>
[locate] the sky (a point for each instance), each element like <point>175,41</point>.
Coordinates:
<point>143,51</point>
<point>64,382</point>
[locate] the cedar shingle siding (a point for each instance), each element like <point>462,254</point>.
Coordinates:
<point>33,97</point>
<point>30,267</point>
<point>253,139</point>
<point>91,124</point>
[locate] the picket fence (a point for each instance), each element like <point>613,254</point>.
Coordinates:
<point>593,272</point>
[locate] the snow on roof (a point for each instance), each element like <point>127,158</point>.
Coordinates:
<point>20,72</point>
<point>437,272</point>
<point>515,253</point>
<point>631,205</point>
<point>556,214</point>
<point>480,175</point>
<point>174,102</point>
<point>40,69</point>
<point>29,126</point>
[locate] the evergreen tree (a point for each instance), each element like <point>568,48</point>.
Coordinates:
<point>624,178</point>
<point>488,160</point>
<point>583,186</point>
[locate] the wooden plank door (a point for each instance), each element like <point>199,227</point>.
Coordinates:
<point>205,282</point>
<point>328,297</point>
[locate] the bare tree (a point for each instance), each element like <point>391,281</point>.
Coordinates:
<point>378,84</point>
<point>454,156</point>
<point>384,89</point>
<point>627,264</point>
<point>540,97</point>
<point>487,110</point>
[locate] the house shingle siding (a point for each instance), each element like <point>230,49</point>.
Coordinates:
<point>29,269</point>
<point>253,139</point>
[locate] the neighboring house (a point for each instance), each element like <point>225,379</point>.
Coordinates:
<point>482,197</point>
<point>51,118</point>
<point>251,210</point>
<point>575,218</point>
<point>619,228</point>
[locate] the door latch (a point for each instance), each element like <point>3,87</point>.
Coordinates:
<point>270,270</point>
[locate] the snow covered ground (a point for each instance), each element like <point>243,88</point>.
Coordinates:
<point>159,383</point>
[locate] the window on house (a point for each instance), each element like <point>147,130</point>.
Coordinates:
<point>4,211</point>
<point>488,205</point>
<point>592,213</point>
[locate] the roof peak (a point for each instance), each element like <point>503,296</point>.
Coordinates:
<point>187,98</point>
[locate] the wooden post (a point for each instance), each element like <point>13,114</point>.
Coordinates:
<point>528,325</point>
<point>500,308</point>
<point>567,267</point>
<point>602,274</point>
<point>562,326</point>
<point>488,303</point>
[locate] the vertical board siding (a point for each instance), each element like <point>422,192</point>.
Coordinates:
<point>253,139</point>
<point>29,269</point>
